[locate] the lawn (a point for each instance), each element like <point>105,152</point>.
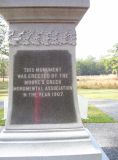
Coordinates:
<point>3,90</point>
<point>99,93</point>
<point>2,121</point>
<point>95,115</point>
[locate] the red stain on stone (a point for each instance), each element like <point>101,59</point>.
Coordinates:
<point>37,107</point>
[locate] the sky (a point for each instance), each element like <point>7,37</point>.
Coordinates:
<point>97,32</point>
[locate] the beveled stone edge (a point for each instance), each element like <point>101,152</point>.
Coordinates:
<point>44,135</point>
<point>44,3</point>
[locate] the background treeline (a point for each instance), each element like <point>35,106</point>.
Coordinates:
<point>4,57</point>
<point>106,65</point>
<point>91,66</point>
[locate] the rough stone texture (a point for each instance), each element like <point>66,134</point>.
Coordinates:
<point>42,37</point>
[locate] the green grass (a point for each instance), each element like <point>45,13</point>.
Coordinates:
<point>3,90</point>
<point>3,94</point>
<point>2,122</point>
<point>99,93</point>
<point>95,115</point>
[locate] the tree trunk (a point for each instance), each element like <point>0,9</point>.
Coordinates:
<point>3,78</point>
<point>117,73</point>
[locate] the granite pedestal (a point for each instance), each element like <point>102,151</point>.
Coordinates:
<point>43,115</point>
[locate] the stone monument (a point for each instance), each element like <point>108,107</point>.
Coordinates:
<point>43,119</point>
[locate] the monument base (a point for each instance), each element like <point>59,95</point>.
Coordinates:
<point>61,145</point>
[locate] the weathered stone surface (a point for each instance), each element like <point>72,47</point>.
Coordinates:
<point>44,124</point>
<point>42,88</point>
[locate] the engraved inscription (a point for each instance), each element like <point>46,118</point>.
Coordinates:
<point>42,88</point>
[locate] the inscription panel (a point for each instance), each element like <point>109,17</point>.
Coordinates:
<point>42,88</point>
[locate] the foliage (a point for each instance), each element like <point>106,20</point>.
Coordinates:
<point>90,66</point>
<point>3,48</point>
<point>106,65</point>
<point>95,115</point>
<point>111,60</point>
<point>3,68</point>
<point>3,37</point>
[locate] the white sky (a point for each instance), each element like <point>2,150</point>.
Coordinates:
<point>98,30</point>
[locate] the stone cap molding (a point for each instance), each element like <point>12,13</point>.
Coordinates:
<point>44,3</point>
<point>43,11</point>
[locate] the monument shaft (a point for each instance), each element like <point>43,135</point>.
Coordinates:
<point>43,117</point>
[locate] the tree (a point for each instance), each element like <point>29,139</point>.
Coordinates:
<point>90,66</point>
<point>3,37</point>
<point>111,60</point>
<point>3,48</point>
<point>3,68</point>
<point>100,68</point>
